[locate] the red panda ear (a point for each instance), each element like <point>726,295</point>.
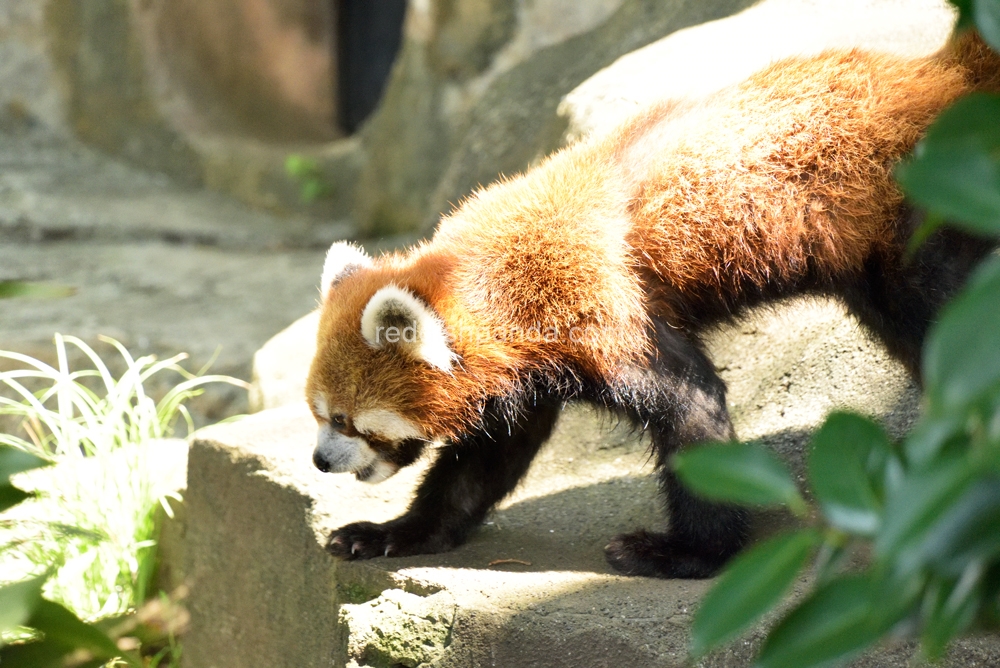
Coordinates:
<point>395,317</point>
<point>341,260</point>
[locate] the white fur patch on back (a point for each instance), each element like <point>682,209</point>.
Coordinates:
<point>395,317</point>
<point>341,259</point>
<point>386,424</point>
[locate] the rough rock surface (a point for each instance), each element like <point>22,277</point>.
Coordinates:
<point>279,367</point>
<point>31,87</point>
<point>118,74</point>
<point>697,61</point>
<point>242,67</point>
<point>442,130</point>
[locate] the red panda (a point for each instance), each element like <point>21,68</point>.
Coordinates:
<point>590,277</point>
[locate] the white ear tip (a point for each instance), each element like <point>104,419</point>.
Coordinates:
<point>342,257</point>
<point>394,316</point>
<point>439,357</point>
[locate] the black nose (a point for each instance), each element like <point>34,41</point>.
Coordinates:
<point>320,461</point>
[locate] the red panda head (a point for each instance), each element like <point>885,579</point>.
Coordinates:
<point>384,382</point>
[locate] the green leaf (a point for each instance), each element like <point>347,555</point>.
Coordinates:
<point>960,356</point>
<point>987,16</point>
<point>312,189</point>
<point>930,437</point>
<point>933,221</point>
<point>64,628</point>
<point>955,170</point>
<point>836,622</point>
<point>948,609</point>
<point>847,465</point>
<point>965,20</point>
<point>14,461</point>
<point>18,601</point>
<point>969,530</point>
<point>36,654</point>
<point>922,499</point>
<point>34,290</point>
<point>750,586</point>
<point>738,473</point>
<point>299,166</point>
<point>11,496</point>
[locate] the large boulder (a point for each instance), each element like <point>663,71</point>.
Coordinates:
<point>215,94</point>
<point>697,61</point>
<point>102,66</point>
<point>260,68</point>
<point>473,94</point>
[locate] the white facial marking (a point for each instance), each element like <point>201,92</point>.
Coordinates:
<point>394,316</point>
<point>339,260</point>
<point>381,471</point>
<point>387,425</point>
<point>321,407</point>
<point>342,453</point>
<point>350,454</point>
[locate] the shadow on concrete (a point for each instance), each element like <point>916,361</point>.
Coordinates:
<point>568,529</point>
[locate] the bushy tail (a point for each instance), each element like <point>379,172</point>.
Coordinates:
<point>981,62</point>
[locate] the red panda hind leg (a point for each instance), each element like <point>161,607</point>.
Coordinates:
<point>680,400</point>
<point>466,480</point>
<point>897,298</point>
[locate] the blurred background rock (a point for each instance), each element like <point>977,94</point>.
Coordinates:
<point>183,163</point>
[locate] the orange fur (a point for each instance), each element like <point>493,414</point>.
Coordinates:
<point>787,173</point>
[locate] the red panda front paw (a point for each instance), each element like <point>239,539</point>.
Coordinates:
<point>402,537</point>
<point>361,540</point>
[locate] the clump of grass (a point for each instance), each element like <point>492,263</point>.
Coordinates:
<point>93,520</point>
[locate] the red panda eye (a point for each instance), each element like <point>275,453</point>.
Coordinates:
<point>338,421</point>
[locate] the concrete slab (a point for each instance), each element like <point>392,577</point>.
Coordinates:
<point>531,587</point>
<point>54,188</point>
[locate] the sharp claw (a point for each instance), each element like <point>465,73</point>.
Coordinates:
<point>336,540</point>
<point>387,548</point>
<point>355,548</point>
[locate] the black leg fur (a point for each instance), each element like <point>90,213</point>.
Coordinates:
<point>466,480</point>
<point>680,400</point>
<point>897,300</point>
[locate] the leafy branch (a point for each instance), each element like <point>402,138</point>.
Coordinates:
<point>926,510</point>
